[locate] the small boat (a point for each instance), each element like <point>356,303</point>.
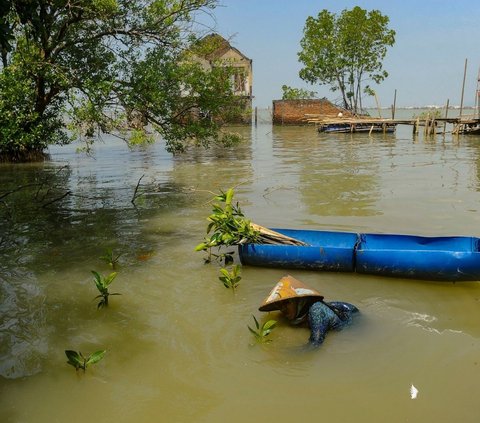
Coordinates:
<point>471,130</point>
<point>447,258</point>
<point>345,128</point>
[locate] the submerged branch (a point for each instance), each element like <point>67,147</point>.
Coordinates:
<point>136,189</point>
<point>57,199</point>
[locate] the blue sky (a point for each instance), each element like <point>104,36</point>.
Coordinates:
<point>425,66</point>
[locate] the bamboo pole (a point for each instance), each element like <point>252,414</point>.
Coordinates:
<point>463,87</point>
<point>416,126</point>
<point>267,236</point>
<point>394,104</point>
<point>446,115</point>
<point>477,95</point>
<point>378,105</point>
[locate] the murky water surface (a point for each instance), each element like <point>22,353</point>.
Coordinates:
<point>178,348</point>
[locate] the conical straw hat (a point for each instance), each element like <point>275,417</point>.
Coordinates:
<point>288,288</point>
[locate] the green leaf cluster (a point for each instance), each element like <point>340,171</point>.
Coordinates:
<point>230,279</point>
<point>79,361</point>
<point>25,128</point>
<point>290,93</point>
<point>111,258</point>
<point>102,283</point>
<point>228,226</point>
<point>77,68</point>
<point>345,50</point>
<point>261,332</point>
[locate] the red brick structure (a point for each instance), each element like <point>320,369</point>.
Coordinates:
<point>294,112</point>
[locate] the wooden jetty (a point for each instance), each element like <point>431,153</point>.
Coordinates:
<point>432,125</point>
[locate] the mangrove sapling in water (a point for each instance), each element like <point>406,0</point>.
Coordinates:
<point>231,227</point>
<point>79,361</point>
<point>110,258</point>
<point>102,283</point>
<point>261,332</point>
<point>230,279</point>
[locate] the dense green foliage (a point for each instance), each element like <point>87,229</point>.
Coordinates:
<point>228,225</point>
<point>345,50</point>
<point>105,66</point>
<point>290,93</point>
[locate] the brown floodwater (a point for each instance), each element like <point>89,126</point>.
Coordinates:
<point>178,347</point>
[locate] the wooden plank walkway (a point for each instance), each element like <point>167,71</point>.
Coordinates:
<point>460,124</point>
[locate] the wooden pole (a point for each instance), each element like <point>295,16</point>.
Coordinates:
<point>463,87</point>
<point>446,115</point>
<point>378,106</point>
<point>256,111</point>
<point>394,104</point>
<point>477,94</point>
<point>267,236</point>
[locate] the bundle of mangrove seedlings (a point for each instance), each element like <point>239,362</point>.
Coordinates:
<point>228,226</point>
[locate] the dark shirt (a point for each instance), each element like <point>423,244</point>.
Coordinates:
<point>323,317</point>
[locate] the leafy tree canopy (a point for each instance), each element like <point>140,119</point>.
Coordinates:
<point>114,66</point>
<point>346,50</point>
<point>290,93</point>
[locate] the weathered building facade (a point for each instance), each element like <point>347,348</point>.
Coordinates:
<point>221,53</point>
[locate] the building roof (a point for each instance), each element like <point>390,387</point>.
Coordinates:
<point>216,46</point>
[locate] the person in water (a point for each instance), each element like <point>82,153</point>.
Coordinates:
<point>301,304</point>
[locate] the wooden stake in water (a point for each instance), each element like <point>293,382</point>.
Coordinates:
<point>463,87</point>
<point>446,115</point>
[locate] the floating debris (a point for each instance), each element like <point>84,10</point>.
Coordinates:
<point>413,392</point>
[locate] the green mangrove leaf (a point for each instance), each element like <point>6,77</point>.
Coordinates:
<point>200,247</point>
<point>269,325</point>
<point>229,196</point>
<point>75,359</point>
<point>256,322</point>
<point>225,272</point>
<point>109,279</point>
<point>254,333</point>
<point>96,357</point>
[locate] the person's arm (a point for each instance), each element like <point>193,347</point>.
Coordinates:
<point>343,311</point>
<point>319,321</point>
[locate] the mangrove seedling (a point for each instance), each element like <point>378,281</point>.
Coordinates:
<point>230,279</point>
<point>228,226</point>
<point>261,332</point>
<point>79,361</point>
<point>102,283</point>
<point>110,258</point>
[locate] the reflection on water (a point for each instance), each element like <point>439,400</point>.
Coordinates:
<point>177,341</point>
<point>23,329</point>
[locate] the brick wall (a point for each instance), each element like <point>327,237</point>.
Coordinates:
<point>293,111</point>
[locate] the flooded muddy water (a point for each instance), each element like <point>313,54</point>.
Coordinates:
<point>178,347</point>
